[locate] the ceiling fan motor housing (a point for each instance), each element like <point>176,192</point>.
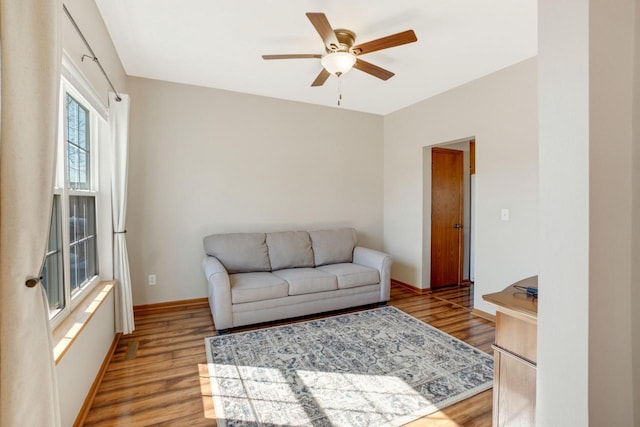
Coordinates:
<point>346,39</point>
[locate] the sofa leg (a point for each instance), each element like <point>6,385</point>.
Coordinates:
<point>382,304</point>
<point>222,331</point>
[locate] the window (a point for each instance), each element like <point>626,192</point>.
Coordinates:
<point>82,240</point>
<point>78,152</point>
<point>52,272</point>
<point>71,263</point>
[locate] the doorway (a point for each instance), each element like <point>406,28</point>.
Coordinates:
<point>447,239</point>
<point>460,250</point>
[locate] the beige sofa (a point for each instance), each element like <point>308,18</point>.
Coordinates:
<point>260,277</point>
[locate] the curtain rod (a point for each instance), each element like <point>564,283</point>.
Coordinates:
<point>93,55</point>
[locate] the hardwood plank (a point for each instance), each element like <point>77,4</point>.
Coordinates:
<point>171,305</point>
<point>164,345</point>
<point>124,363</point>
<point>134,378</point>
<point>475,411</point>
<point>167,383</point>
<point>114,397</point>
<point>149,370</point>
<point>132,349</point>
<point>168,407</point>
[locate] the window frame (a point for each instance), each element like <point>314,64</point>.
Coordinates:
<point>56,216</point>
<point>81,242</point>
<point>88,149</point>
<point>63,188</point>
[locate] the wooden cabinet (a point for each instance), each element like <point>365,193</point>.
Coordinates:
<point>515,348</point>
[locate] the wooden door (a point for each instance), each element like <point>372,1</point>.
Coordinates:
<point>446,217</point>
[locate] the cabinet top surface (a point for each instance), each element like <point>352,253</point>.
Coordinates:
<point>516,300</point>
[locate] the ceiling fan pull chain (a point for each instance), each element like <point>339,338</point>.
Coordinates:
<point>339,91</point>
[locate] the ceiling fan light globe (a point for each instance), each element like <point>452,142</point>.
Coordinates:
<point>338,63</point>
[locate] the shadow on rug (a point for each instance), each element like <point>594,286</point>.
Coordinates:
<point>370,368</point>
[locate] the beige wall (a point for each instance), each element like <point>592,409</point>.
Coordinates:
<point>79,366</point>
<point>635,254</point>
<point>500,110</point>
<point>563,310</point>
<point>610,169</point>
<point>585,369</point>
<point>88,18</point>
<point>208,161</point>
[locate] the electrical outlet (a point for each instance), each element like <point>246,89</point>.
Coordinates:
<point>152,280</point>
<point>504,214</point>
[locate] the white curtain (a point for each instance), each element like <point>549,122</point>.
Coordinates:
<point>119,121</point>
<point>31,57</point>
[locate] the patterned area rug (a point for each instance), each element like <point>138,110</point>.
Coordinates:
<point>370,368</point>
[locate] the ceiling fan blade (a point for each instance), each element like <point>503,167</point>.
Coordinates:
<point>385,42</point>
<point>374,70</point>
<point>322,26</point>
<point>322,77</point>
<point>292,56</point>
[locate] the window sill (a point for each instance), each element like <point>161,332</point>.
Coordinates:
<point>66,332</point>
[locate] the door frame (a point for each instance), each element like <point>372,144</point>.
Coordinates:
<point>426,209</point>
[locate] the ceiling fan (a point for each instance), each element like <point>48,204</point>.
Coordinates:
<point>341,54</point>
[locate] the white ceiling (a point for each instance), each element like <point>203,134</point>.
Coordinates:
<point>219,43</point>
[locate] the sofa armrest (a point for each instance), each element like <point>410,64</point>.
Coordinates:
<point>219,290</point>
<point>381,262</point>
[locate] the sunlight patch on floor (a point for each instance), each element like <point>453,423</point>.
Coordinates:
<point>338,396</point>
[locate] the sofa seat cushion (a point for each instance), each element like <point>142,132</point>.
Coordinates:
<point>307,280</point>
<point>250,287</point>
<point>352,275</point>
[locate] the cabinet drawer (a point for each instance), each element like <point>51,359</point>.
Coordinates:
<point>517,336</point>
<point>514,392</point>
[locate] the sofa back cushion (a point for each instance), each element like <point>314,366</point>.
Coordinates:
<point>289,249</point>
<point>333,246</point>
<point>239,252</point>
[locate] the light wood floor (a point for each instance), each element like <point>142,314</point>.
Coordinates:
<point>158,375</point>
